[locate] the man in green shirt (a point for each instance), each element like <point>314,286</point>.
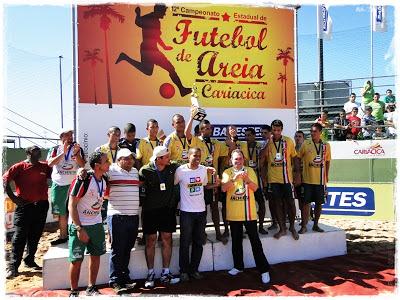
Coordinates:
<point>378,109</point>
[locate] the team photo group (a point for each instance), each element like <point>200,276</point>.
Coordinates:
<point>155,181</point>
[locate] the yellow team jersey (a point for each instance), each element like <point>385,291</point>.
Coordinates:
<point>253,154</point>
<point>240,201</point>
<point>111,154</point>
<point>178,148</point>
<point>314,158</point>
<point>242,145</point>
<point>145,149</point>
<point>279,159</point>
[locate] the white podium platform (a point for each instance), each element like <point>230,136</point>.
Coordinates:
<point>216,256</point>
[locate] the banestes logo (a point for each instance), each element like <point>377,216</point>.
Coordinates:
<point>354,201</point>
<point>375,149</point>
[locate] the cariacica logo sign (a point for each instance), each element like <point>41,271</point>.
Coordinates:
<point>351,201</point>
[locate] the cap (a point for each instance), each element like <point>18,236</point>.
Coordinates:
<point>158,152</point>
<point>31,148</point>
<point>124,152</point>
<point>65,130</point>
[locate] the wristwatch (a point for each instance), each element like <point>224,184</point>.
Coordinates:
<point>78,227</point>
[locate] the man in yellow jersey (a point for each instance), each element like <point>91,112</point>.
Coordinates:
<point>147,144</point>
<point>239,183</point>
<point>211,150</point>
<point>176,142</point>
<point>315,156</point>
<point>280,153</point>
<point>253,149</point>
<point>110,148</point>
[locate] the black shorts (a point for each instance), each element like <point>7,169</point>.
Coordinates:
<point>258,195</point>
<point>283,191</point>
<point>299,191</point>
<point>314,193</point>
<point>159,220</point>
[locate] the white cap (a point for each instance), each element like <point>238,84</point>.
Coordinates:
<point>158,152</point>
<point>124,152</point>
<point>65,130</point>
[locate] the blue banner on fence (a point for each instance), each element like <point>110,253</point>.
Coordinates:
<point>352,201</point>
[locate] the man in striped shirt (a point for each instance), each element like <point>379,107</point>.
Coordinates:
<point>122,218</point>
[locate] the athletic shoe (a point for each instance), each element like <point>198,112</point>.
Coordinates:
<point>265,277</point>
<point>92,291</point>
<point>234,271</point>
<point>262,230</point>
<point>150,281</point>
<point>32,265</point>
<point>118,288</point>
<point>168,278</point>
<point>273,226</point>
<point>130,284</point>
<point>73,293</point>
<point>184,277</point>
<point>196,275</point>
<point>11,273</point>
<point>58,242</point>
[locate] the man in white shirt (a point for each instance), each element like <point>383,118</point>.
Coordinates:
<point>122,218</point>
<point>348,106</point>
<point>192,177</point>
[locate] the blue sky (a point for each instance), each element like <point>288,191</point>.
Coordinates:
<point>35,36</point>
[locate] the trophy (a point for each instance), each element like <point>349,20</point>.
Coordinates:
<point>199,113</point>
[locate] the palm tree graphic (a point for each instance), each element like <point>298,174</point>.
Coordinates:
<point>105,12</point>
<point>284,55</point>
<point>282,78</point>
<point>93,58</point>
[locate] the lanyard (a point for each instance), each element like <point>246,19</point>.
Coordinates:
<point>210,148</point>
<point>279,146</point>
<point>152,147</point>
<point>318,150</point>
<point>113,157</point>
<point>183,143</point>
<point>252,152</point>
<point>100,189</point>
<point>69,151</point>
<point>162,178</point>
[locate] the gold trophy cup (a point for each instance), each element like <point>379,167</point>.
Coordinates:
<point>199,113</point>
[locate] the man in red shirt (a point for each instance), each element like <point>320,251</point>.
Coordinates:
<point>30,178</point>
<point>354,122</point>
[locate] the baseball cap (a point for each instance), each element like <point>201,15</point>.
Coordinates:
<point>158,152</point>
<point>65,130</point>
<point>31,148</point>
<point>124,152</point>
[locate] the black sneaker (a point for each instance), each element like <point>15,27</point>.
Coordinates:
<point>130,284</point>
<point>92,291</point>
<point>118,288</point>
<point>11,273</point>
<point>73,293</point>
<point>168,278</point>
<point>58,241</point>
<point>33,265</point>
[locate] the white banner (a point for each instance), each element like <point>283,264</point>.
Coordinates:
<point>363,149</point>
<point>379,18</point>
<point>94,120</point>
<point>324,23</point>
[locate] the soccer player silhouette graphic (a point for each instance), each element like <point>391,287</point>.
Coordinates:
<point>150,55</point>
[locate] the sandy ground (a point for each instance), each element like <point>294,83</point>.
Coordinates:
<point>362,237</point>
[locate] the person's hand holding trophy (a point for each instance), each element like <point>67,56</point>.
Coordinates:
<point>197,112</point>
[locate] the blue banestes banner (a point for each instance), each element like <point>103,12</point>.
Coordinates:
<point>351,201</point>
<point>219,130</point>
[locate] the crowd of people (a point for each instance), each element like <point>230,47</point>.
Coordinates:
<point>372,119</point>
<point>181,172</point>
